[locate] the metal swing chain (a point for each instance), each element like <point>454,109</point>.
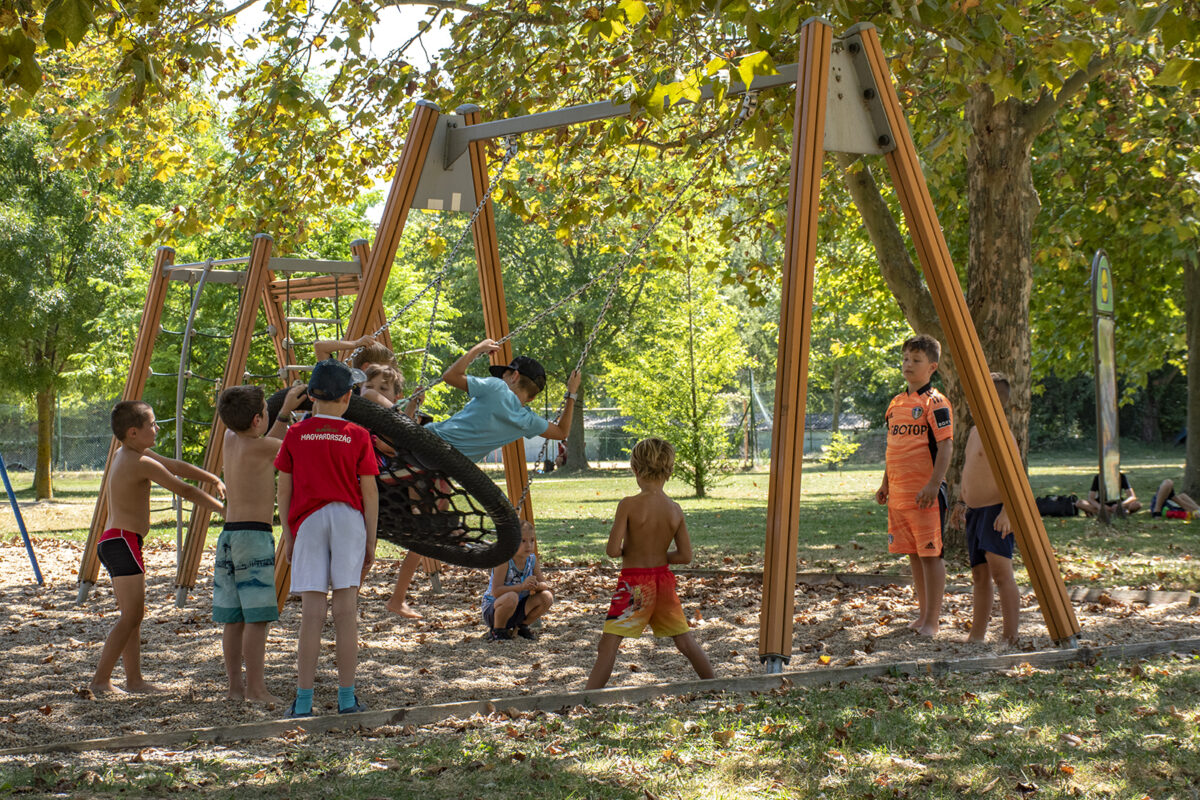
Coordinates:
<point>510,152</point>
<point>749,104</point>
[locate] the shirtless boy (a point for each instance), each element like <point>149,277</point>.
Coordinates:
<point>989,536</point>
<point>133,468</point>
<point>646,526</point>
<point>244,567</point>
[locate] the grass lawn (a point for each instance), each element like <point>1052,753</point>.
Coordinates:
<point>1110,730</point>
<point>841,528</point>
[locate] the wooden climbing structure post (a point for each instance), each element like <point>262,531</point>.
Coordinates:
<point>135,384</point>
<point>253,290</point>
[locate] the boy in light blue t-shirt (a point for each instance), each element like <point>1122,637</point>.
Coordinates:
<point>496,414</point>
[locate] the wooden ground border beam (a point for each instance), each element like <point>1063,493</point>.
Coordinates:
<point>433,714</point>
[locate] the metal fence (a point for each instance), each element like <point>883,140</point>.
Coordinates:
<point>80,440</point>
<point>82,436</point>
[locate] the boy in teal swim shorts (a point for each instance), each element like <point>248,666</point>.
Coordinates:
<point>244,570</point>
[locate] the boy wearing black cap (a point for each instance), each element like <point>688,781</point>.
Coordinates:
<point>497,413</point>
<point>328,506</point>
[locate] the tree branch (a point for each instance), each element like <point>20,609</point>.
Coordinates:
<point>1047,106</point>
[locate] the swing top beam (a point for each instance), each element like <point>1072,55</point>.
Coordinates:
<point>460,136</point>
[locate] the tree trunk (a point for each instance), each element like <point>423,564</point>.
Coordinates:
<point>835,422</point>
<point>43,488</point>
<point>912,295</point>
<point>1002,205</point>
<point>1191,282</point>
<point>576,444</point>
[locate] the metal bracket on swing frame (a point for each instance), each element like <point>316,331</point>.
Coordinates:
<point>855,122</point>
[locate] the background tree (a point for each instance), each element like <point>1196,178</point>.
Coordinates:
<point>56,246</point>
<point>676,364</point>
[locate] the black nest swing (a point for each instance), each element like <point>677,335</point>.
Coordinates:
<point>433,500</point>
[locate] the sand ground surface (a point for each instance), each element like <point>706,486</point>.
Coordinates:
<point>51,643</point>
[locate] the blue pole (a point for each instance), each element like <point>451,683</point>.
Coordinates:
<point>12,498</point>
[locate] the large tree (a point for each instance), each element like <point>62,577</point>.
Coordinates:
<point>56,247</point>
<point>674,366</point>
<point>312,105</point>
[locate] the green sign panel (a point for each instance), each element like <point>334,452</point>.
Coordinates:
<point>1107,433</point>
<point>1102,284</point>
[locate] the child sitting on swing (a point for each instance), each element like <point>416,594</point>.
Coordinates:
<point>497,413</point>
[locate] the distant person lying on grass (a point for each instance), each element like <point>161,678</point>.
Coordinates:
<point>1166,503</point>
<point>1128,503</point>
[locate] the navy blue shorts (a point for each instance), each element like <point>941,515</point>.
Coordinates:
<point>983,538</point>
<point>518,617</point>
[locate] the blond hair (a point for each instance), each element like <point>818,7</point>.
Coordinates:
<point>389,374</point>
<point>652,458</point>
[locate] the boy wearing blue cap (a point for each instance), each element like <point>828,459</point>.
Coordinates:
<point>328,506</point>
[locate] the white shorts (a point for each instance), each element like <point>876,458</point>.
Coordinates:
<point>331,545</point>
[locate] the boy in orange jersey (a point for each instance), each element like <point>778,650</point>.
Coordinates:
<point>645,527</point>
<point>920,430</point>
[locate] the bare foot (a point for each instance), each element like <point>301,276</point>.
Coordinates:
<point>915,625</point>
<point>928,630</point>
<point>145,687</point>
<point>976,639</point>
<point>235,694</point>
<point>264,697</point>
<point>106,688</point>
<point>403,609</point>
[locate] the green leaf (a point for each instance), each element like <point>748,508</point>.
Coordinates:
<point>759,63</point>
<point>1174,30</point>
<point>67,21</point>
<point>1173,74</point>
<point>25,72</point>
<point>635,10</point>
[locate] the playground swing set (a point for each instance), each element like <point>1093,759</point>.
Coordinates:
<point>845,102</point>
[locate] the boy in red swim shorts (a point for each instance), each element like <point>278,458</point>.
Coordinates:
<point>646,525</point>
<point>133,467</point>
<point>920,439</point>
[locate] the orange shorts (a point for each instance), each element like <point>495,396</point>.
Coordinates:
<point>915,531</point>
<point>646,596</point>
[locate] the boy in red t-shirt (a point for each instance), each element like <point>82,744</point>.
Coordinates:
<point>329,507</point>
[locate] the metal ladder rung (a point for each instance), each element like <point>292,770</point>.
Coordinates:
<point>312,321</point>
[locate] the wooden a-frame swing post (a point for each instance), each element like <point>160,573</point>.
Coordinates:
<point>377,259</point>
<point>495,308</point>
<point>810,141</point>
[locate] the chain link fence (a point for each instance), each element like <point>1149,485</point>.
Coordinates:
<point>79,442</point>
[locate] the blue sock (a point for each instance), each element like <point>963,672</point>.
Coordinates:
<point>304,701</point>
<point>345,697</point>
